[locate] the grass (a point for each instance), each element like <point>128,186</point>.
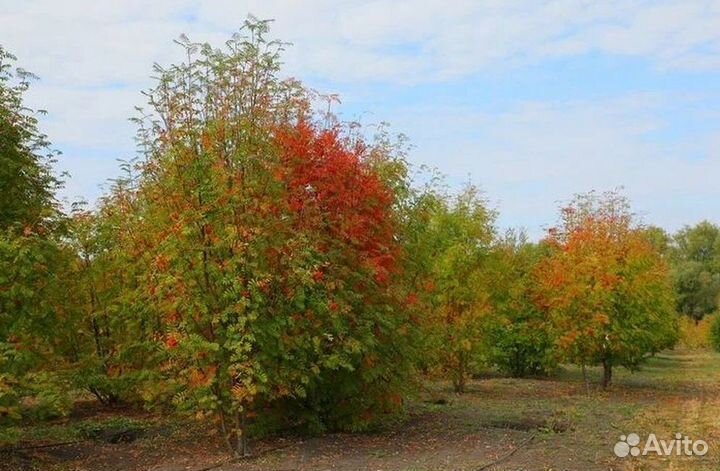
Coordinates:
<point>673,392</point>
<point>69,430</point>
<point>555,423</point>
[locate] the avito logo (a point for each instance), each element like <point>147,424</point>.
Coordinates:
<point>629,445</point>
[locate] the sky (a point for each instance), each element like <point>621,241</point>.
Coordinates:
<point>532,100</point>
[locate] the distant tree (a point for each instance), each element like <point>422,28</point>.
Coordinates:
<point>450,250</point>
<point>659,238</point>
<point>700,243</point>
<point>715,333</point>
<point>521,338</point>
<point>695,253</point>
<point>605,286</point>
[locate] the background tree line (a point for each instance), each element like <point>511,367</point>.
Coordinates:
<point>262,265</point>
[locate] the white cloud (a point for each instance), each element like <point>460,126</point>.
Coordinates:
<point>83,42</point>
<point>536,154</point>
<point>87,41</point>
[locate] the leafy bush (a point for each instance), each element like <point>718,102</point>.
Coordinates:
<point>523,348</point>
<point>520,339</point>
<point>38,396</point>
<point>695,335</point>
<point>47,396</point>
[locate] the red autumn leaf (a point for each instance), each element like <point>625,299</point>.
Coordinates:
<point>171,341</point>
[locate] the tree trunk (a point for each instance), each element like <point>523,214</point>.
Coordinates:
<point>242,441</point>
<point>459,382</point>
<point>607,374</point>
<point>225,432</point>
<point>460,385</point>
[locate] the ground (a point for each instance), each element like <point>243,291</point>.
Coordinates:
<point>499,424</point>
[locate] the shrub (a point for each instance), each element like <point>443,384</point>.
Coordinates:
<point>523,348</point>
<point>695,335</point>
<point>521,339</point>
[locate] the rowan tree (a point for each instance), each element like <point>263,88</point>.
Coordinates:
<point>448,238</point>
<point>35,317</point>
<point>267,237</point>
<point>520,336</point>
<point>116,332</point>
<point>605,286</point>
<point>27,182</point>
